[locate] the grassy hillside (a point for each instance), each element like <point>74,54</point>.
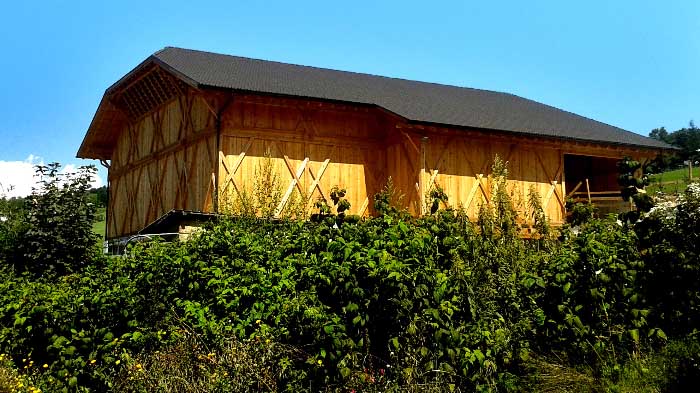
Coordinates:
<point>671,182</point>
<point>100,223</point>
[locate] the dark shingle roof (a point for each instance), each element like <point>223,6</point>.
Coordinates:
<point>415,101</point>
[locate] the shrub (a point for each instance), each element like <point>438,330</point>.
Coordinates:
<point>13,225</point>
<point>389,303</point>
<point>58,237</point>
<point>590,294</point>
<point>670,243</point>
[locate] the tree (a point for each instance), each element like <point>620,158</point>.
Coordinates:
<point>59,237</point>
<point>99,196</point>
<point>660,134</point>
<point>687,139</point>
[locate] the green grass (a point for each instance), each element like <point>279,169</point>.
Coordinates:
<point>675,180</point>
<point>99,225</point>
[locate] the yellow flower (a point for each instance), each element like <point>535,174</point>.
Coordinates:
<point>93,361</point>
<point>139,366</point>
<point>117,362</point>
<point>267,341</point>
<point>320,362</point>
<point>258,322</point>
<point>45,365</point>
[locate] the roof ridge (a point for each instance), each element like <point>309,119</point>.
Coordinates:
<point>414,100</point>
<point>337,70</point>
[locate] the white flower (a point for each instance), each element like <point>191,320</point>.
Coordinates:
<point>597,272</point>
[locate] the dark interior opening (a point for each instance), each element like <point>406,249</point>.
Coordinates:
<point>602,189</point>
<point>601,173</point>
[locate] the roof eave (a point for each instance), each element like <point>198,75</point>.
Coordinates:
<point>86,149</point>
<point>669,148</point>
<point>90,151</point>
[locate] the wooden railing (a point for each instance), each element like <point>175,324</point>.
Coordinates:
<point>606,201</point>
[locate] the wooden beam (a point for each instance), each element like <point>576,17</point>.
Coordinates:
<point>294,183</point>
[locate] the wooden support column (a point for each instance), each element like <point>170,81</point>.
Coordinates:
<point>690,168</point>
<point>421,176</point>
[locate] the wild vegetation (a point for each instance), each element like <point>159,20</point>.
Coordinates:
<point>339,303</point>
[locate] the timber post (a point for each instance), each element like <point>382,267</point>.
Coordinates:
<point>421,176</point>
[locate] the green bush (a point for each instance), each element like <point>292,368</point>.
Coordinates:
<point>50,232</point>
<point>670,244</point>
<point>590,295</point>
<point>59,238</point>
<point>389,303</point>
<point>13,225</point>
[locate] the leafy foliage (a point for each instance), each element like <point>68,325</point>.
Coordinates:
<point>390,200</point>
<point>687,139</point>
<point>591,297</point>
<point>632,187</point>
<point>670,243</point>
<point>52,232</point>
<point>59,237</point>
<point>13,225</point>
<point>388,303</point>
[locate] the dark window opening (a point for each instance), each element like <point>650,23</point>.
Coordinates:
<point>601,173</point>
<point>594,179</point>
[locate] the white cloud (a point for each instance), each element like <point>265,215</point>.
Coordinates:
<point>72,168</point>
<point>18,177</point>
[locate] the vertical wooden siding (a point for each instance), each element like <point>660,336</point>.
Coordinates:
<point>461,165</point>
<point>161,162</point>
<point>168,159</point>
<point>313,148</point>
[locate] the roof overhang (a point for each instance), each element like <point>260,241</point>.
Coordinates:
<point>123,103</point>
<point>126,100</point>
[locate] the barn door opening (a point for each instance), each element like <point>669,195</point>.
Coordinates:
<point>594,179</point>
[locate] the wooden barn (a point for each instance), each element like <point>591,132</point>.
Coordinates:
<point>185,128</point>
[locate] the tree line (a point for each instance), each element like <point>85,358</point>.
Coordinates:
<point>687,139</point>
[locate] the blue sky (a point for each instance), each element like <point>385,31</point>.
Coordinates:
<point>632,64</point>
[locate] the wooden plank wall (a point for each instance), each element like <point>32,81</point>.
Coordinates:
<point>169,160</point>
<point>163,161</point>
<point>461,165</point>
<point>460,162</point>
<point>313,147</point>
